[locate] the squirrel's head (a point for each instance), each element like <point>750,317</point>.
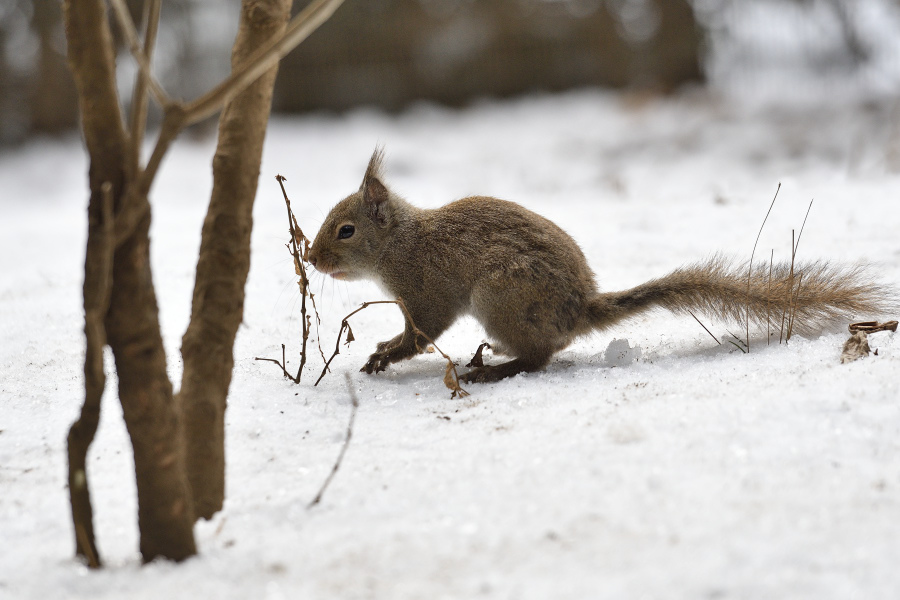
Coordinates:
<point>349,240</point>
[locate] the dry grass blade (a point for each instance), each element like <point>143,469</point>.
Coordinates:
<point>704,328</point>
<point>750,266</point>
<point>791,315</point>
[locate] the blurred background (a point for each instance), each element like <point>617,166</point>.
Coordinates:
<point>391,53</point>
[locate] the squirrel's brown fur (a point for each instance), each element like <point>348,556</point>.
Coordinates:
<point>528,283</point>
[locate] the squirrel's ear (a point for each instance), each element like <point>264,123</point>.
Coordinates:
<point>375,194</point>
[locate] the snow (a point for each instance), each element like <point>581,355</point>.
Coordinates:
<point>644,462</point>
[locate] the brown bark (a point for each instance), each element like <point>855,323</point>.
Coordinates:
<point>91,59</point>
<point>165,513</point>
<point>165,510</point>
<point>119,299</point>
<point>97,285</point>
<point>218,300</point>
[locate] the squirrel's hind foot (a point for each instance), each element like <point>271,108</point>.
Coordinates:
<point>391,351</point>
<point>489,373</point>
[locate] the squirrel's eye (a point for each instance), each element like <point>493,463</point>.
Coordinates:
<point>345,232</point>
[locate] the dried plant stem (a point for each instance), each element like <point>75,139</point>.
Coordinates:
<point>298,246</point>
<point>452,381</point>
<point>750,266</point>
<point>281,363</point>
<point>802,226</point>
<point>792,296</point>
<point>297,240</point>
<point>340,458</point>
<point>704,327</point>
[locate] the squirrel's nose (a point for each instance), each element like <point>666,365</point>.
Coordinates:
<point>312,260</point>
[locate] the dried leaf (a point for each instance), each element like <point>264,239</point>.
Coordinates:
<point>452,382</point>
<point>855,348</point>
<point>350,337</point>
<point>449,379</point>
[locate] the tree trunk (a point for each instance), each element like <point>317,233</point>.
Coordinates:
<point>218,299</point>
<point>165,513</point>
<point>165,510</point>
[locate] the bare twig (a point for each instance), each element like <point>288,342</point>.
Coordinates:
<point>281,363</point>
<point>340,458</point>
<point>139,98</point>
<point>134,44</point>
<point>750,267</point>
<point>704,327</point>
<point>451,376</point>
<point>299,28</point>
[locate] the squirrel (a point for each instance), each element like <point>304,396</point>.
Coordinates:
<point>529,285</point>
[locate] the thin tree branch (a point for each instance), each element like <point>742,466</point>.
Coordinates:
<point>139,98</point>
<point>130,32</point>
<point>134,203</point>
<point>299,28</point>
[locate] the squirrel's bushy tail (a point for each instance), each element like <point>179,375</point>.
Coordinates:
<point>817,294</point>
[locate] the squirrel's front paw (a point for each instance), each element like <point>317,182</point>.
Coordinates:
<point>377,363</point>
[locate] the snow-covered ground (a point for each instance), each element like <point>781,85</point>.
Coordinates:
<point>681,469</point>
